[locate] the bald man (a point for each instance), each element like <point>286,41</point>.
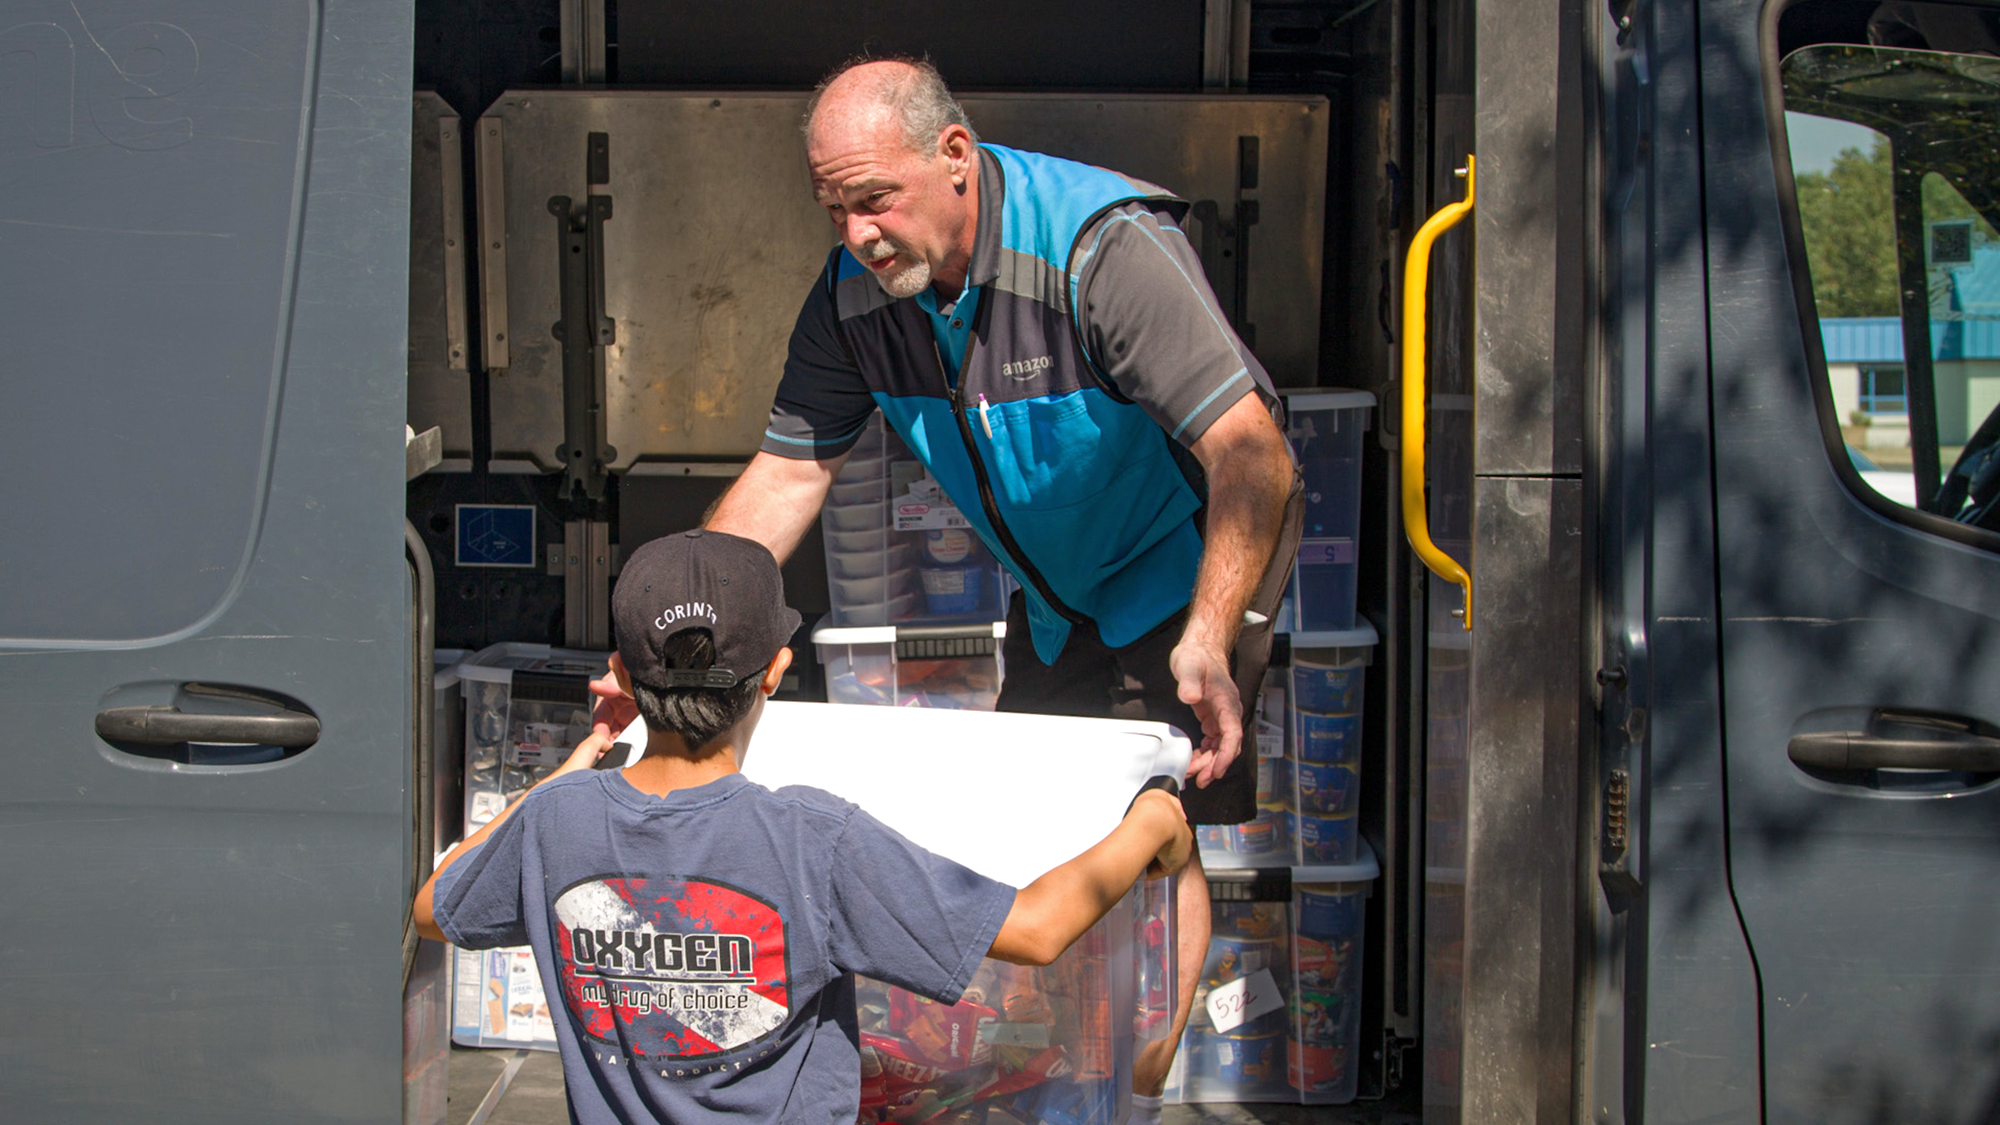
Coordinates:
<point>1041,335</point>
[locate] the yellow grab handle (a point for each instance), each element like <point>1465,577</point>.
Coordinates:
<point>1416,392</point>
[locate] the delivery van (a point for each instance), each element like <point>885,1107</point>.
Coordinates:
<point>339,332</point>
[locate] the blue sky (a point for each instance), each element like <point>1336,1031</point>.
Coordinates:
<point>1817,140</point>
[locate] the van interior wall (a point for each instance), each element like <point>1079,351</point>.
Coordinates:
<point>470,51</point>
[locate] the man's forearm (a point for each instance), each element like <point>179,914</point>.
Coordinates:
<point>1246,510</point>
<point>774,501</point>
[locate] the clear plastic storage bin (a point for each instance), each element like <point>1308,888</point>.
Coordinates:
<point>1323,1013</point>
<point>526,708</point>
<point>1327,679</point>
<point>1326,428</point>
<point>903,666</point>
<point>497,1000</point>
<point>1276,1015</point>
<point>1025,1044</point>
<point>1234,1046</point>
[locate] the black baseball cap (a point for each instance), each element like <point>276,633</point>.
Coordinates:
<point>710,580</point>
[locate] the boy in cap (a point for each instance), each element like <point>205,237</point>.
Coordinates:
<point>701,931</point>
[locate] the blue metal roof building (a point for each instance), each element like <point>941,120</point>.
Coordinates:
<point>1975,295</point>
<point>1879,339</point>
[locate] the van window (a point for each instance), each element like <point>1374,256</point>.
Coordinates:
<point>1893,138</point>
<point>147,243</point>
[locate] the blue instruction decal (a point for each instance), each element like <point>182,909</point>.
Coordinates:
<point>496,535</point>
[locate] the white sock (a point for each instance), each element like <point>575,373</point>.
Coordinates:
<point>1145,1110</point>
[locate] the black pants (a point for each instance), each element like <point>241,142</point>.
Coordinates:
<point>1092,680</point>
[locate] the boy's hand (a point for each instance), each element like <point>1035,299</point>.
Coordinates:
<point>615,710</point>
<point>1164,810</point>
<point>586,754</point>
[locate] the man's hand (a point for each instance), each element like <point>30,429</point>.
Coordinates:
<point>615,710</point>
<point>1206,686</point>
<point>1250,473</point>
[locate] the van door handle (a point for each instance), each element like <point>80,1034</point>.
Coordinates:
<point>1416,294</point>
<point>1861,750</point>
<point>170,726</point>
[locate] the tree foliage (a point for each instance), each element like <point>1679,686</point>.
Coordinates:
<point>1850,229</point>
<point>1851,233</point>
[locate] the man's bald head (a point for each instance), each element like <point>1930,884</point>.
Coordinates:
<point>897,170</point>
<point>904,92</point>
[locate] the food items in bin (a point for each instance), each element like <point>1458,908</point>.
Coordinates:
<point>1325,790</point>
<point>1331,739</point>
<point>1315,1068</point>
<point>959,684</point>
<point>953,563</point>
<point>1315,1016</point>
<point>946,1036</point>
<point>1153,1017</point>
<point>1323,961</point>
<point>1249,1062</point>
<point>1323,839</point>
<point>1328,688</point>
<point>1022,1044</point>
<point>1331,908</point>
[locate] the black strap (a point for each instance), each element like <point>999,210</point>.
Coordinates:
<point>1157,781</point>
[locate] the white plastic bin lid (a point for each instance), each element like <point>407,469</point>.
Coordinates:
<point>1363,869</point>
<point>1010,796</point>
<point>1328,399</point>
<point>1363,635</point>
<point>887,634</point>
<point>498,663</point>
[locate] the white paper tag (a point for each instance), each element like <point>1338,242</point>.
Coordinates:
<point>1240,1001</point>
<point>1270,740</point>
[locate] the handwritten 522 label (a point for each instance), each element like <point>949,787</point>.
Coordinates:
<point>1242,1000</point>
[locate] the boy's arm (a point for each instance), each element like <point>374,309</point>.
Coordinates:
<point>423,911</point>
<point>1050,913</point>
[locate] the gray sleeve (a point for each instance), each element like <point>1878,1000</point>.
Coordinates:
<point>1152,324</point>
<point>822,403</point>
<point>477,901</point>
<point>908,916</point>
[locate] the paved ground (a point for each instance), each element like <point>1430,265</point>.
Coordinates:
<point>535,1097</point>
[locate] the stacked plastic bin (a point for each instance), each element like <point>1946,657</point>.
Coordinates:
<point>1277,1015</point>
<point>1325,428</point>
<point>915,595</point>
<point>1328,674</point>
<point>896,551</point>
<point>526,708</point>
<point>1300,1043</point>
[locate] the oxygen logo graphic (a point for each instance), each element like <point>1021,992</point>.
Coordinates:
<point>672,968</point>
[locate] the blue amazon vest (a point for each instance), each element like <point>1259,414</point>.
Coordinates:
<point>1073,487</point>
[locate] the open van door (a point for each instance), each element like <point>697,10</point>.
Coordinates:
<point>205,633</point>
<point>1859,634</point>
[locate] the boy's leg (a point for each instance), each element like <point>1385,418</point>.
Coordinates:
<point>1231,798</point>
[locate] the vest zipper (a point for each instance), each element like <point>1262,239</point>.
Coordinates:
<point>986,501</point>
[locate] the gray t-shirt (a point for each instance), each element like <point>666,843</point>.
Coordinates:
<point>701,945</point>
<point>1149,321</point>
